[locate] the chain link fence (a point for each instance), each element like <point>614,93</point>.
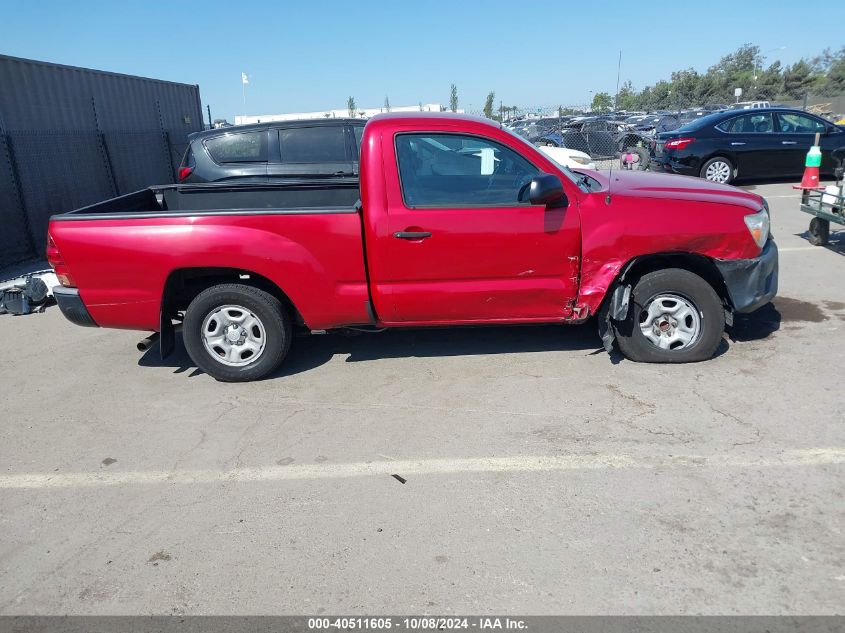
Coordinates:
<point>47,172</point>
<point>604,138</point>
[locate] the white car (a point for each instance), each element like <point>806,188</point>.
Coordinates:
<point>571,158</point>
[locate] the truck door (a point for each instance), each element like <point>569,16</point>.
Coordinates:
<point>464,245</point>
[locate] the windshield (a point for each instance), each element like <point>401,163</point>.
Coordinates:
<point>575,178</point>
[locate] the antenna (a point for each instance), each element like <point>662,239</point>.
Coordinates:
<point>615,105</point>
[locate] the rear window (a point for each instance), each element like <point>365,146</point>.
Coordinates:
<point>697,124</point>
<point>324,144</point>
<point>359,134</point>
<point>245,147</point>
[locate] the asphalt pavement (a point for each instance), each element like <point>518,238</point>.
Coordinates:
<point>493,470</point>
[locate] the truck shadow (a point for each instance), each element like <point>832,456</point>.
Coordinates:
<point>757,325</point>
<point>310,352</point>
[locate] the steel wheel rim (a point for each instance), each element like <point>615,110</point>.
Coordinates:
<point>233,335</point>
<point>670,322</point>
<point>718,171</point>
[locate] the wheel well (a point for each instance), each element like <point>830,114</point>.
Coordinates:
<point>184,284</point>
<point>696,264</point>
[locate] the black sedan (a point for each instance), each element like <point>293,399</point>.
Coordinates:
<point>758,143</point>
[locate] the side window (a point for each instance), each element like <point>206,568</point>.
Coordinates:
<point>319,144</point>
<point>451,170</point>
<point>749,124</point>
<point>247,147</point>
<point>359,134</point>
<point>799,124</point>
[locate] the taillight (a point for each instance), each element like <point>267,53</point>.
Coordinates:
<point>678,143</point>
<point>54,258</point>
<point>184,172</point>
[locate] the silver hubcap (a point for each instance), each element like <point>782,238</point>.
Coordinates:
<point>670,322</point>
<point>233,335</point>
<point>719,171</point>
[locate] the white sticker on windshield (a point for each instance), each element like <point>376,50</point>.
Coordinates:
<point>486,161</point>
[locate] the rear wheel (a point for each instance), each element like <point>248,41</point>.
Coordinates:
<point>675,317</point>
<point>236,333</point>
<point>718,169</point>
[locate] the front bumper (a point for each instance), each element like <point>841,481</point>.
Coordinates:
<point>71,305</point>
<point>751,283</point>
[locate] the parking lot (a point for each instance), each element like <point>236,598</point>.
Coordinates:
<point>487,470</point>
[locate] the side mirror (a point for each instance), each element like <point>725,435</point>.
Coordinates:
<point>548,190</point>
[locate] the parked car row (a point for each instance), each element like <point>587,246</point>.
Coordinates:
<point>748,143</point>
<point>720,146</point>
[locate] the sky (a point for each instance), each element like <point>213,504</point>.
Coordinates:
<point>308,56</point>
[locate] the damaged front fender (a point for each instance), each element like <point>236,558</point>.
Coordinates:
<point>751,283</point>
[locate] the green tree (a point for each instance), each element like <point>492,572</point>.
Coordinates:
<point>798,79</point>
<point>386,103</point>
<point>830,68</point>
<point>488,104</point>
<point>626,98</point>
<point>602,102</point>
<point>835,80</point>
<point>684,87</point>
<point>769,83</point>
<point>350,105</point>
<point>453,98</point>
<point>661,95</point>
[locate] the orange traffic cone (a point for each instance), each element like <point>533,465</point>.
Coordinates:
<point>810,180</point>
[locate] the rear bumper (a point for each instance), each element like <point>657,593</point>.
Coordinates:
<point>71,305</point>
<point>685,166</point>
<point>751,283</point>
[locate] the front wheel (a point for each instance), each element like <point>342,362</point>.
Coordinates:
<point>236,333</point>
<point>675,317</point>
<point>718,169</point>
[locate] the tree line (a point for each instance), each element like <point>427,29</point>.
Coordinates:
<point>823,75</point>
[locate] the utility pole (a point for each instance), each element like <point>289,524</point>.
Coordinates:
<point>208,107</point>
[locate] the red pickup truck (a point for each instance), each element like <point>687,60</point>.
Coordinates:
<point>454,221</point>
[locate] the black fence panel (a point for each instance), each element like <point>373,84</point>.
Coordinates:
<point>15,242</point>
<point>138,159</point>
<point>59,172</point>
<point>75,136</point>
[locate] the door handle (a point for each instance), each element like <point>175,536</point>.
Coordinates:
<point>412,235</point>
<point>737,143</point>
<point>789,142</point>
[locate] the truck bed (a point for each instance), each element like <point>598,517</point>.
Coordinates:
<point>313,196</point>
<point>302,236</point>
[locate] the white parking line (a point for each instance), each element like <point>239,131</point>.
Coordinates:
<point>802,248</point>
<point>516,464</point>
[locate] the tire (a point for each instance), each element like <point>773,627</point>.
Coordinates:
<point>256,318</point>
<point>819,232</point>
<point>703,323</point>
<point>642,152</point>
<point>718,166</point>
